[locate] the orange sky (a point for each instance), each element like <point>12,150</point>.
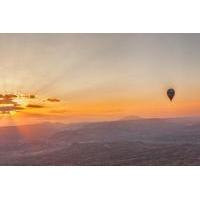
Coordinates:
<point>101,76</point>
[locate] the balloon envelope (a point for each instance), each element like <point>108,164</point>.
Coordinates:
<point>171,93</point>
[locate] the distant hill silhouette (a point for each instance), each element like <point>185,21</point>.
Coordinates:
<point>131,117</point>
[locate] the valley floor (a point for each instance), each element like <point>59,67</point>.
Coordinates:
<point>109,154</point>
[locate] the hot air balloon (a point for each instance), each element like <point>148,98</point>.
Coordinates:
<point>171,93</point>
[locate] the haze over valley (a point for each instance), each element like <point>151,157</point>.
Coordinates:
<point>172,141</point>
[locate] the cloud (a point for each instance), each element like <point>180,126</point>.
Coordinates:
<point>7,101</point>
<point>17,102</point>
<point>53,100</point>
<point>19,108</point>
<point>7,109</point>
<point>9,96</point>
<point>31,96</point>
<point>34,106</point>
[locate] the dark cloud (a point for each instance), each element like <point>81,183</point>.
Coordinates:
<point>31,96</point>
<point>9,96</point>
<point>34,106</point>
<point>7,109</point>
<point>19,108</point>
<point>10,108</point>
<point>7,101</point>
<point>53,100</point>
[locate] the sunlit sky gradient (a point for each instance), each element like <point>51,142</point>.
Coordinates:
<point>102,76</point>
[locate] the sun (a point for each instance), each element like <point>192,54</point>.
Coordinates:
<point>12,113</point>
<point>20,100</point>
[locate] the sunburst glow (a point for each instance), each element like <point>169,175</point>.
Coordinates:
<point>11,103</point>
